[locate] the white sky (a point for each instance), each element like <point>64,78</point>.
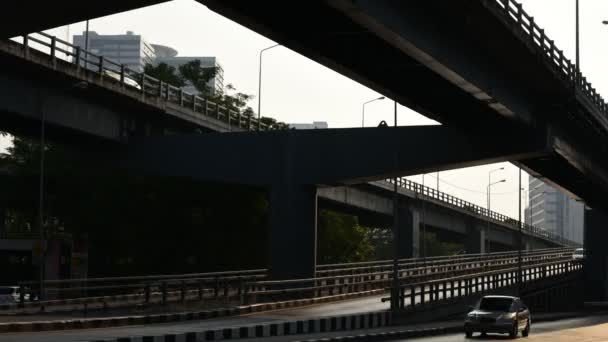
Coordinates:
<point>298,90</point>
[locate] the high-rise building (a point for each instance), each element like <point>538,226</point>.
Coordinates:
<point>554,211</point>
<point>129,49</point>
<point>135,52</point>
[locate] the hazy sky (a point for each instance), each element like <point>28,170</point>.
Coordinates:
<point>298,90</point>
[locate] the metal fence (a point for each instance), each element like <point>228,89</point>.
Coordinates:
<point>524,23</point>
<point>64,53</point>
<point>430,193</point>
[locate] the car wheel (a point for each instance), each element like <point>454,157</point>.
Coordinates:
<point>526,331</point>
<point>513,333</point>
<point>468,334</point>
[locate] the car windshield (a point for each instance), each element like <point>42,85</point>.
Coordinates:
<point>7,290</point>
<point>495,304</point>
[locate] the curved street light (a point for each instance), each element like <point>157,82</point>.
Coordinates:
<point>363,111</point>
<point>260,85</point>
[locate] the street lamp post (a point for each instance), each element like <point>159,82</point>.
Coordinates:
<point>489,212</point>
<point>520,240</point>
<point>363,110</point>
<point>260,85</point>
<point>395,293</point>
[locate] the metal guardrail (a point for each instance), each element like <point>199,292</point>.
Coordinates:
<point>271,290</point>
<point>427,192</point>
<point>513,12</point>
<point>250,285</point>
<point>414,296</point>
<point>86,61</point>
<point>386,265</point>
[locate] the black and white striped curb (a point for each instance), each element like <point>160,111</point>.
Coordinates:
<point>443,330</point>
<point>392,335</point>
<point>173,317</point>
<point>316,325</point>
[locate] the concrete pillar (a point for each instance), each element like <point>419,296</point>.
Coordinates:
<point>409,233</point>
<point>596,261</point>
<point>293,231</point>
<point>2,221</point>
<point>476,238</point>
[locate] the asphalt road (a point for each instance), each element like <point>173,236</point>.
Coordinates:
<point>329,309</point>
<point>541,332</point>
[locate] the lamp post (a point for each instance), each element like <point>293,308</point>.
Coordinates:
<point>489,181</point>
<point>395,293</point>
<point>489,212</point>
<point>363,110</point>
<point>260,85</point>
<point>520,240</point>
<point>43,103</point>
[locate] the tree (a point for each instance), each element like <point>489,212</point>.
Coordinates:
<point>193,73</point>
<point>165,73</point>
<point>341,239</point>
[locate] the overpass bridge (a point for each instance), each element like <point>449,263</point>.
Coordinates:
<point>508,78</point>
<point>151,108</point>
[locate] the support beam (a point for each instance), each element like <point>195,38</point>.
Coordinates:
<point>329,156</point>
<point>596,261</point>
<point>293,231</point>
<point>476,238</point>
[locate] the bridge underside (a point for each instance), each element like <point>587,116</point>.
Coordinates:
<point>291,164</point>
<point>33,16</point>
<point>453,61</point>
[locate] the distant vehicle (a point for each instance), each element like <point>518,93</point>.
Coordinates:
<point>11,294</point>
<point>579,254</point>
<point>128,81</point>
<point>498,314</point>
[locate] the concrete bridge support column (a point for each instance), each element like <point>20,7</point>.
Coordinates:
<point>476,238</point>
<point>2,221</point>
<point>293,231</point>
<point>596,261</point>
<point>409,233</point>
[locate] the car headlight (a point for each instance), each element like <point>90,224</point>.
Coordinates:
<point>507,317</point>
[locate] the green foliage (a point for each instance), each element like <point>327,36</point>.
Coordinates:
<point>193,73</point>
<point>435,247</point>
<point>165,73</point>
<point>197,75</point>
<point>341,239</point>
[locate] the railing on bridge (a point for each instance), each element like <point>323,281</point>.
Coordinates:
<point>424,191</point>
<point>251,286</point>
<point>60,51</point>
<point>525,24</point>
<point>415,296</point>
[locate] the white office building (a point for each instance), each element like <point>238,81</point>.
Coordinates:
<point>554,211</point>
<point>314,125</point>
<point>135,52</point>
<point>129,49</point>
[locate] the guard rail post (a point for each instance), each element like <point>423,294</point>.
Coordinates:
<point>183,291</point>
<point>164,293</point>
<point>22,296</point>
<point>147,293</point>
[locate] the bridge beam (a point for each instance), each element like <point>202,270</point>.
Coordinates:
<point>596,261</point>
<point>408,223</point>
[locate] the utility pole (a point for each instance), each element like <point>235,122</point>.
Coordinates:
<point>520,240</point>
<point>395,293</point>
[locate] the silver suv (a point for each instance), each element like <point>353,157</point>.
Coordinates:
<point>498,314</point>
